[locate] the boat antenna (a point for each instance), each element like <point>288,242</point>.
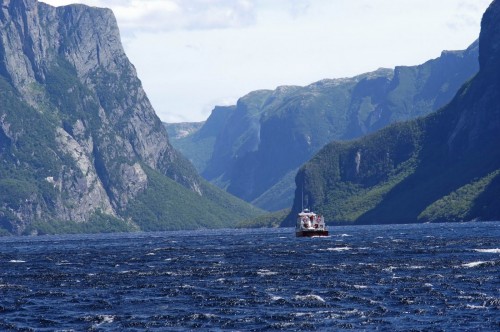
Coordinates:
<point>302,194</point>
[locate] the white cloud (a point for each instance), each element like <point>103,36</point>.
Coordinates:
<point>467,14</point>
<point>165,15</point>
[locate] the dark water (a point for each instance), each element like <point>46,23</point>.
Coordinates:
<point>403,277</point>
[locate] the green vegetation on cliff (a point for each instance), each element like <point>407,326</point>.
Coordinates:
<point>443,167</point>
<point>166,205</point>
<point>251,149</point>
<point>81,148</point>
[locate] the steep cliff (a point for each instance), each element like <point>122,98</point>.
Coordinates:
<point>263,140</point>
<point>198,145</point>
<point>79,140</point>
<point>444,167</point>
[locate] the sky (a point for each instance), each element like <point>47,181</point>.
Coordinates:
<point>192,55</point>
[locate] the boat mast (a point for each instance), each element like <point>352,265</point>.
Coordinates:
<point>302,195</point>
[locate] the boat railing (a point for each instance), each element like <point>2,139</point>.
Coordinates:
<point>311,222</point>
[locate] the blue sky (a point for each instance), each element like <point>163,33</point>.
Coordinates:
<point>194,54</point>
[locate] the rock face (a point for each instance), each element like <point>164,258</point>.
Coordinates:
<point>263,140</point>
<point>489,42</point>
<point>444,167</point>
<point>78,135</point>
<point>182,129</point>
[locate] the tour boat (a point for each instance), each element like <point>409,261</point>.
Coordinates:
<point>310,224</point>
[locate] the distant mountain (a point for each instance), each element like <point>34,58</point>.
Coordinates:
<point>81,149</point>
<point>198,145</point>
<point>182,129</point>
<point>443,167</point>
<point>254,149</point>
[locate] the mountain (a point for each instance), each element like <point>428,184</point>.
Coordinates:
<point>81,148</point>
<point>254,148</point>
<point>443,167</point>
<point>182,129</point>
<point>198,144</point>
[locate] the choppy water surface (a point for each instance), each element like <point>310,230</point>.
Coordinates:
<point>402,277</point>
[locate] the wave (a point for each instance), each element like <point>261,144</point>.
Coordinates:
<point>489,251</point>
<point>99,320</point>
<point>338,249</point>
<point>264,273</point>
<point>478,263</point>
<point>17,261</point>
<point>360,286</point>
<point>275,298</point>
<point>309,298</point>
<point>471,306</point>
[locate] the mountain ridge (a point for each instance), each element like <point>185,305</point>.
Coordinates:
<point>286,126</point>
<point>442,167</point>
<point>79,139</point>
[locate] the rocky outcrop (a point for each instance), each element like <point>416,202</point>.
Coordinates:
<point>84,190</point>
<point>68,86</point>
<point>489,40</point>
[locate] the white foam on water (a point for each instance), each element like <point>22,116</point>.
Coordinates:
<point>474,264</point>
<point>310,297</point>
<point>203,316</point>
<point>302,314</point>
<point>163,248</point>
<point>470,306</point>
<point>389,269</point>
<point>416,267</point>
<point>150,254</point>
<point>16,261</point>
<point>264,273</point>
<point>428,285</point>
<point>276,298</point>
<point>351,312</point>
<point>360,286</point>
<point>107,318</point>
<point>344,235</point>
<point>338,249</point>
<point>489,251</point>
<point>104,319</point>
